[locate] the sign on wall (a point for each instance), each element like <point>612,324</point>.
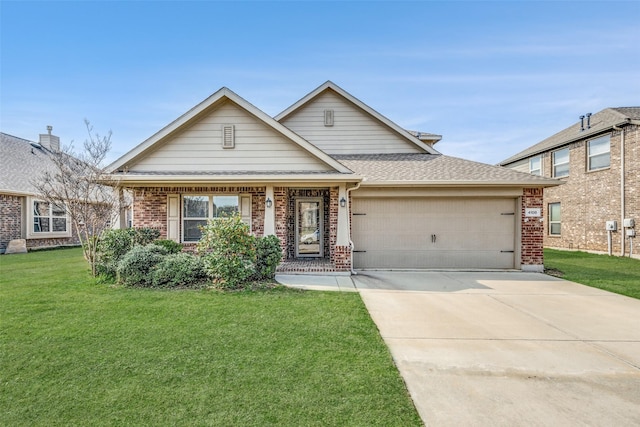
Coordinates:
<point>533,212</point>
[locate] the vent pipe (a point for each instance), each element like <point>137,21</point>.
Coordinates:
<point>581,123</point>
<point>588,120</point>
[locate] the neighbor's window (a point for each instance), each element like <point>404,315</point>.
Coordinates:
<point>554,219</point>
<point>48,218</point>
<point>560,160</point>
<point>535,166</point>
<point>197,210</point>
<point>599,153</point>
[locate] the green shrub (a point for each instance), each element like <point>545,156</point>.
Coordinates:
<point>268,256</point>
<point>144,235</point>
<point>135,268</point>
<point>171,246</point>
<point>114,244</point>
<point>228,251</point>
<point>179,270</point>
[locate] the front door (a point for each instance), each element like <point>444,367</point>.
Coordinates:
<point>309,227</point>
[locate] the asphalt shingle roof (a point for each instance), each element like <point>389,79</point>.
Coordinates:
<point>21,161</point>
<point>435,169</point>
<point>600,121</point>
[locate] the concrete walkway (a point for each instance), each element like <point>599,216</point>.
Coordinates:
<point>509,349</point>
<point>339,283</point>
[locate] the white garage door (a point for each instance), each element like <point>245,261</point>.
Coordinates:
<point>434,233</point>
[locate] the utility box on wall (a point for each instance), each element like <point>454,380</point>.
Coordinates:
<point>628,223</point>
<point>611,225</point>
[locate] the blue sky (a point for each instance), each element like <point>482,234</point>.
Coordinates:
<point>491,77</point>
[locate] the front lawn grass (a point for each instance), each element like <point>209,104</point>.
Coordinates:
<point>611,273</point>
<point>77,352</point>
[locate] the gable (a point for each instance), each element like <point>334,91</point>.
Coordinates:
<point>198,147</point>
<point>352,128</point>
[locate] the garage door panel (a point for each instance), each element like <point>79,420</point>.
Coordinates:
<point>434,233</point>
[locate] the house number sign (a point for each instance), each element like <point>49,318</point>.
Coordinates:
<point>533,212</point>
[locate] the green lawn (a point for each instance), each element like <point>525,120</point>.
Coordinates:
<point>611,273</point>
<point>76,352</point>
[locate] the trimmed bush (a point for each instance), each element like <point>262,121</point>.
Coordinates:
<point>135,268</point>
<point>171,246</point>
<point>228,251</point>
<point>179,270</point>
<point>114,244</point>
<point>268,256</point>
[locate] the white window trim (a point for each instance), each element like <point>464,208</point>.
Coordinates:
<point>31,234</point>
<point>589,169</point>
<point>539,157</point>
<point>211,196</point>
<point>554,222</point>
<point>554,164</point>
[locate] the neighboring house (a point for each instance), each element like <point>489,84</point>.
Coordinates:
<point>341,185</point>
<point>22,214</point>
<point>598,158</point>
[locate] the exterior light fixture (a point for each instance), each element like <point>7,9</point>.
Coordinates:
<point>269,202</point>
<point>343,202</point>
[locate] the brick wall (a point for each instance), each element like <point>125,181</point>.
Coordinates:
<point>532,257</point>
<point>10,219</point>
<point>590,198</point>
<point>150,204</point>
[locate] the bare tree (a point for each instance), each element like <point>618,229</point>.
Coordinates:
<point>79,183</point>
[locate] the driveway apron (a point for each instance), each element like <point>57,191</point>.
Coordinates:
<point>509,348</point>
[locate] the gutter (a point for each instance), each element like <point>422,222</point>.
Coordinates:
<point>349,190</point>
<point>623,238</point>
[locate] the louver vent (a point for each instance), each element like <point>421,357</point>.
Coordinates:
<point>228,136</point>
<point>328,117</point>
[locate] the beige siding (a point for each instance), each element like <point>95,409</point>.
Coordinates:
<point>434,232</point>
<point>353,132</point>
<point>520,165</point>
<point>198,148</point>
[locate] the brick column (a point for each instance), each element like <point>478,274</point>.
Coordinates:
<point>532,257</point>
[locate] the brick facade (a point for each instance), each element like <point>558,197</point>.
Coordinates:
<point>10,219</point>
<point>590,198</point>
<point>150,210</point>
<point>531,252</point>
<point>11,226</point>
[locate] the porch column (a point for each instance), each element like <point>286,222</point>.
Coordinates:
<point>269,212</point>
<point>120,219</point>
<point>342,238</point>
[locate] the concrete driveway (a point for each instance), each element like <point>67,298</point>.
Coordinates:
<point>509,348</point>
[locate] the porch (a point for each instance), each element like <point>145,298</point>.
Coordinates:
<point>310,266</point>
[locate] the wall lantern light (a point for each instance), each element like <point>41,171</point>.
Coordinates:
<point>269,202</point>
<point>343,202</point>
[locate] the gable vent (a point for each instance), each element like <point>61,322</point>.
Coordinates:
<point>228,136</point>
<point>328,117</point>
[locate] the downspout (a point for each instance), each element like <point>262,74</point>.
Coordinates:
<point>349,190</point>
<point>622,182</point>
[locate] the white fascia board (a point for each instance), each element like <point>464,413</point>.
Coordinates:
<point>544,184</point>
<point>235,179</point>
<point>213,99</point>
<point>330,85</point>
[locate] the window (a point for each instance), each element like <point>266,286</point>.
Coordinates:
<point>535,166</point>
<point>48,220</point>
<point>197,210</point>
<point>599,153</point>
<point>560,161</point>
<point>554,219</point>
